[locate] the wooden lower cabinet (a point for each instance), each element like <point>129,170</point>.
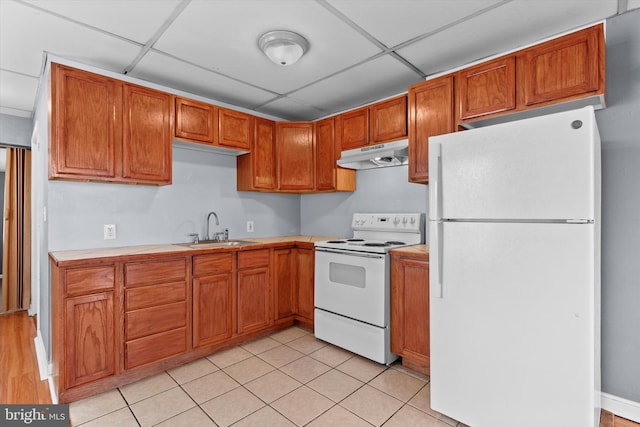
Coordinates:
<point>89,338</point>
<point>283,269</point>
<point>156,315</point>
<point>84,313</point>
<point>117,320</point>
<point>410,309</point>
<point>254,308</point>
<point>305,264</point>
<point>213,298</point>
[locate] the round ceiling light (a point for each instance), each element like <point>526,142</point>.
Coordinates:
<point>283,47</point>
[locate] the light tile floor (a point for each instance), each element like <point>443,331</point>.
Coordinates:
<point>289,378</point>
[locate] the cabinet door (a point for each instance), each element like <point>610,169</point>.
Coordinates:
<point>212,308</point>
<point>263,154</point>
<point>410,311</point>
<point>283,279</point>
<point>235,129</point>
<point>430,113</point>
<point>195,121</point>
<point>253,299</point>
<point>487,88</point>
<point>388,120</point>
<point>295,156</point>
<point>147,135</point>
<point>86,132</point>
<point>564,68</point>
<point>354,129</point>
<point>89,336</point>
<point>325,154</point>
<point>305,263</point>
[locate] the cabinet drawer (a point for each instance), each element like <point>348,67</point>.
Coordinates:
<point>214,263</point>
<point>83,280</point>
<point>155,347</point>
<point>148,272</point>
<point>152,320</point>
<point>251,259</point>
<point>148,296</point>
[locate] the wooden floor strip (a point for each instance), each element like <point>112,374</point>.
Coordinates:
<point>19,373</point>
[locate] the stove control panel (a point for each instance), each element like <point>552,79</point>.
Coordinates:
<point>391,222</point>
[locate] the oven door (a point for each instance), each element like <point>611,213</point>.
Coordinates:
<point>353,284</point>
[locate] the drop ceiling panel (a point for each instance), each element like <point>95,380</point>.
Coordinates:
<point>393,22</point>
<point>382,77</point>
<point>522,22</point>
<point>222,35</point>
<point>291,109</point>
<point>17,92</point>
<point>26,32</point>
<point>161,69</point>
<point>133,20</point>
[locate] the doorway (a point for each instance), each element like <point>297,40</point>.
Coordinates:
<point>15,292</point>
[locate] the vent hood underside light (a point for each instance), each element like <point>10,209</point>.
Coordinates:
<point>394,153</point>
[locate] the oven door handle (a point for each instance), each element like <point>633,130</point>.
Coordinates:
<point>351,253</point>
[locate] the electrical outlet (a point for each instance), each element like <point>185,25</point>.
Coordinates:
<point>249,226</point>
<point>109,231</point>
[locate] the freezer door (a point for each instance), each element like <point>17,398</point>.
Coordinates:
<point>542,168</point>
<point>513,335</point>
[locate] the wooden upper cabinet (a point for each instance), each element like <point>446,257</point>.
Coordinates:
<point>430,113</point>
<point>388,120</point>
<point>235,129</point>
<point>487,88</point>
<point>86,129</point>
<point>353,128</point>
<point>296,156</point>
<point>104,129</point>
<point>256,171</point>
<point>326,155</point>
<point>147,136</point>
<point>565,68</point>
<point>195,121</point>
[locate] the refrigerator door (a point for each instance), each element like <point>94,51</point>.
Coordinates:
<point>513,335</point>
<point>541,168</point>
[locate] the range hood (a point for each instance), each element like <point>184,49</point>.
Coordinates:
<point>395,153</point>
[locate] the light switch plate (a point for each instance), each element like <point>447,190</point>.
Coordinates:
<point>109,231</point>
<point>249,226</point>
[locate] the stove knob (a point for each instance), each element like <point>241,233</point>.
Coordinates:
<point>396,220</point>
<point>413,220</point>
<point>404,221</point>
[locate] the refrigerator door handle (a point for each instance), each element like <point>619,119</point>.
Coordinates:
<point>436,288</point>
<point>438,184</point>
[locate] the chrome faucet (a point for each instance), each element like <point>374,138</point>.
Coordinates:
<point>207,235</point>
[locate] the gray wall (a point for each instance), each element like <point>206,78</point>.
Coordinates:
<point>620,132</point>
<point>15,130</point>
<point>202,182</point>
<point>378,190</point>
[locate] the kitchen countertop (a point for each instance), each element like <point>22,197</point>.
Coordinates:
<point>184,248</point>
<point>415,249</point>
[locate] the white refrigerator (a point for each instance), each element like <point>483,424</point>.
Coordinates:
<point>515,272</point>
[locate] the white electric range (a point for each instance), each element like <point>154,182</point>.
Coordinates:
<point>352,282</point>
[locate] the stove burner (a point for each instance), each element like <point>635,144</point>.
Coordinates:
<point>355,240</point>
<point>336,241</point>
<point>377,244</point>
<point>395,242</point>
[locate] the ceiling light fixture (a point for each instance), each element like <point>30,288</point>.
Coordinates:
<point>283,47</point>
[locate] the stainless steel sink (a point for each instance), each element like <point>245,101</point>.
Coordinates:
<point>203,244</point>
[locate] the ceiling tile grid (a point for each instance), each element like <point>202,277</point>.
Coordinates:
<point>360,50</point>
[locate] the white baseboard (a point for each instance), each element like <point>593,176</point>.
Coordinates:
<point>44,367</point>
<point>622,407</point>
<point>41,356</point>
